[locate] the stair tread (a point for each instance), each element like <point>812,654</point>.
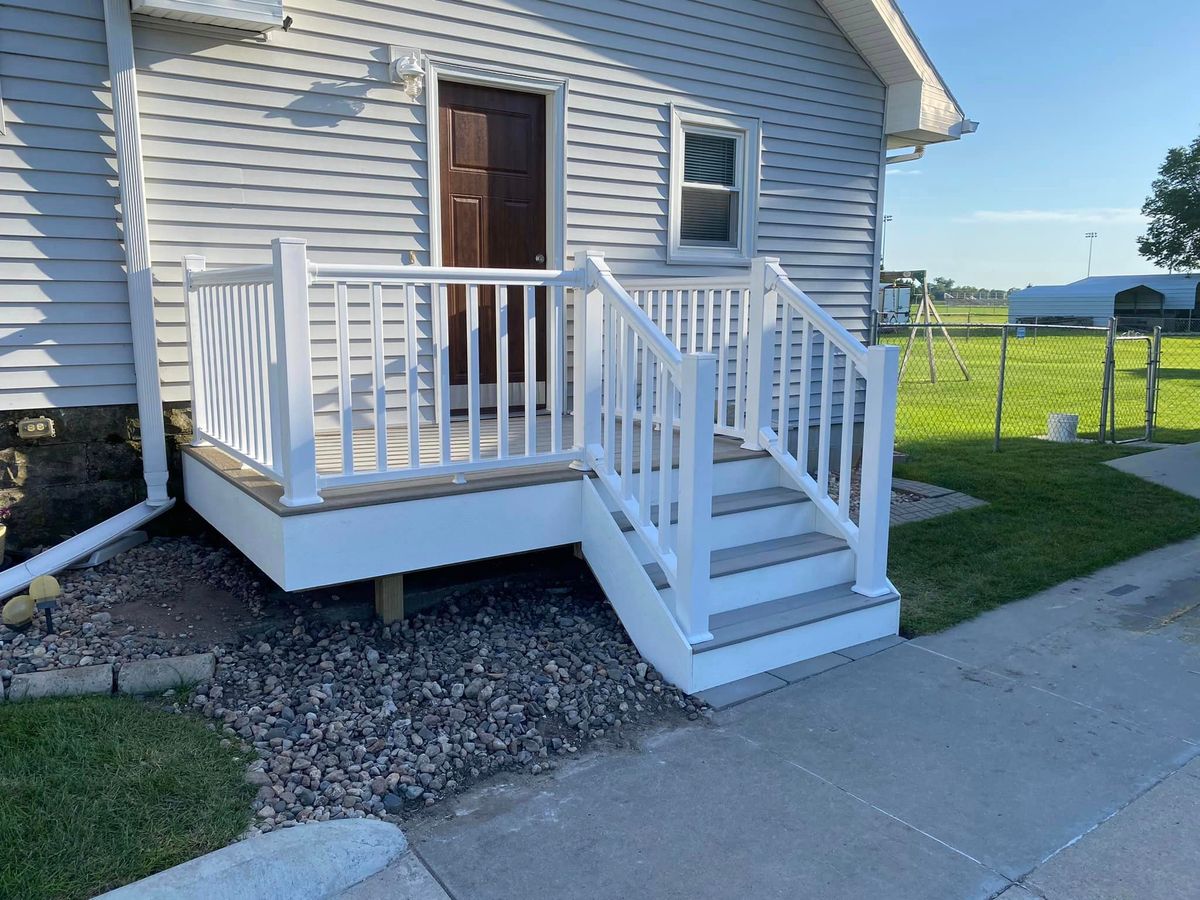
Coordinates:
<point>771,616</point>
<point>731,504</point>
<point>760,554</point>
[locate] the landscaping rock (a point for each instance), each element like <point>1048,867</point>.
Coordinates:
<point>61,682</point>
<point>153,676</point>
<point>350,717</point>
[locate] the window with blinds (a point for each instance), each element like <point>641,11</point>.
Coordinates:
<point>710,196</point>
<point>714,186</point>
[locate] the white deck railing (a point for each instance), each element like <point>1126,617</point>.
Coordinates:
<point>322,375</point>
<point>705,315</point>
<point>829,363</point>
<point>384,365</point>
<point>636,388</point>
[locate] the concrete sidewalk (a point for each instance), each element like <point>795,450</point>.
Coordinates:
<point>1175,467</point>
<point>1040,750</point>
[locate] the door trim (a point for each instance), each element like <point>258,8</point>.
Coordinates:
<point>555,92</point>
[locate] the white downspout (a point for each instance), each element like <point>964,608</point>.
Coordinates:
<point>917,152</point>
<point>122,73</point>
<point>122,69</point>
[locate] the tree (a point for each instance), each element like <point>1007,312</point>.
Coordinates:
<point>1172,239</point>
<point>939,286</point>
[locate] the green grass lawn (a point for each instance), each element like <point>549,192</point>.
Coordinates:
<point>1054,371</point>
<point>1055,512</point>
<point>96,792</point>
<point>968,312</point>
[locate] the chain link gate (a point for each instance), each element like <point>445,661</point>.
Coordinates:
<point>1017,375</point>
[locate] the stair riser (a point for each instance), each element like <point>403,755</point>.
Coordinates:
<point>772,582</point>
<point>728,477</point>
<point>763,524</point>
<point>786,647</point>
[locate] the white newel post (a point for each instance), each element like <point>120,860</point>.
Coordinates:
<point>589,357</point>
<point>694,537</point>
<point>760,365</point>
<point>879,434</point>
<point>191,313</point>
<point>291,375</point>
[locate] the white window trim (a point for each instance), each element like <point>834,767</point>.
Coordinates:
<point>749,134</point>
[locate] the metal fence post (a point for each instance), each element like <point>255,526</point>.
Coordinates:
<point>1106,387</point>
<point>1152,382</point>
<point>1000,385</point>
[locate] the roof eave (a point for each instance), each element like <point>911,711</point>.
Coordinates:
<point>920,106</point>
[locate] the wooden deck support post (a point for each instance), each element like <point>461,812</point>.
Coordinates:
<point>389,598</point>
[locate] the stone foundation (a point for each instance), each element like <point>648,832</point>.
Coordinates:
<point>53,488</point>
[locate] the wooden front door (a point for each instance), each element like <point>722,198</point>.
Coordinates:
<point>493,174</point>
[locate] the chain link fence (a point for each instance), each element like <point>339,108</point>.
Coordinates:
<point>991,382</point>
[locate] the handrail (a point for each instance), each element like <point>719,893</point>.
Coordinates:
<point>635,386</point>
<point>807,307</point>
<point>637,319</point>
<point>234,275</point>
<point>323,272</point>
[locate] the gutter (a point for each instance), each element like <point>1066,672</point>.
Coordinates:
<point>122,69</point>
<point>917,152</point>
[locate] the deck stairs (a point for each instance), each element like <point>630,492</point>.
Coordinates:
<point>781,584</point>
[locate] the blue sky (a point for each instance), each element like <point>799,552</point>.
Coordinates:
<point>1078,102</point>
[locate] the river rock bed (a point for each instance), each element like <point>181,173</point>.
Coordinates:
<point>353,718</point>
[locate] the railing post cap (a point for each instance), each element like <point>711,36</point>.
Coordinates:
<point>289,240</point>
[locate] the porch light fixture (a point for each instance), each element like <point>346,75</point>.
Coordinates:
<point>408,69</point>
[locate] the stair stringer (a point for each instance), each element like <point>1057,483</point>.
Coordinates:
<point>638,604</point>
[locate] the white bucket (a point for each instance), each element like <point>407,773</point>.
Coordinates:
<point>1062,428</point>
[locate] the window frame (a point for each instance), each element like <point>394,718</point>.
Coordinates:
<point>747,132</point>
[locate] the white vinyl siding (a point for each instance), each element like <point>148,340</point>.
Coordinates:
<point>305,135</point>
<point>64,312</point>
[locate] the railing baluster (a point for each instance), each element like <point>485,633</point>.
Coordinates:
<point>556,377</point>
<point>254,402</point>
<point>412,384</point>
<point>610,386</point>
<point>694,307</point>
<point>677,302</point>
<point>823,433</point>
<point>784,426</point>
<point>803,422</point>
<point>379,374</point>
<point>845,473</point>
<point>666,434</point>
<point>440,300</point>
<point>723,356</point>
<point>241,293</point>
<point>531,342</point>
<point>473,369</point>
<point>646,438</point>
<point>628,403</point>
<point>269,404</point>
<point>345,385</point>
<point>501,305</point>
<point>221,356</point>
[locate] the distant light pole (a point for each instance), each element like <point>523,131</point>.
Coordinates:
<point>1091,236</point>
<point>883,242</point>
